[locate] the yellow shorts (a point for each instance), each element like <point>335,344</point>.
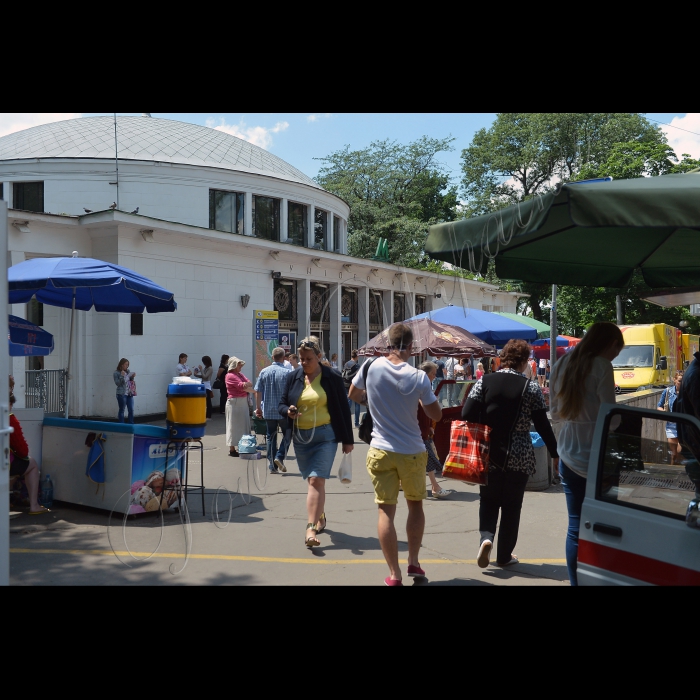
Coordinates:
<point>388,468</point>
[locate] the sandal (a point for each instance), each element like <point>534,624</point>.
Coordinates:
<point>319,530</point>
<point>313,540</point>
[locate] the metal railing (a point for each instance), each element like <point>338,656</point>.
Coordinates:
<point>45,388</point>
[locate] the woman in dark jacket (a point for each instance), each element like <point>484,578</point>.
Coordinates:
<point>314,398</point>
<point>507,402</point>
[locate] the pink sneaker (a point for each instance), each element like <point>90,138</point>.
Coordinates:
<point>388,581</point>
<point>416,571</point>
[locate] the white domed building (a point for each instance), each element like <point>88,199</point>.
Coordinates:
<point>225,225</point>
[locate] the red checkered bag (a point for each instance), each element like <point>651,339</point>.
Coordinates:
<point>468,459</point>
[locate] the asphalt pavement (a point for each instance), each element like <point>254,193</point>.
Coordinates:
<point>253,534</point>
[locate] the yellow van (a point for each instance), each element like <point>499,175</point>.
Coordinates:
<point>651,355</point>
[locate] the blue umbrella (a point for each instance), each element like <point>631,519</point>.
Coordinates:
<point>492,328</point>
<point>25,338</point>
<point>84,283</point>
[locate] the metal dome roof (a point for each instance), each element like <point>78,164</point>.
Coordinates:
<point>144,138</point>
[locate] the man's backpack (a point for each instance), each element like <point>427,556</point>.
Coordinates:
<point>349,373</point>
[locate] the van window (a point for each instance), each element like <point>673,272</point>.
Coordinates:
<point>635,356</point>
<point>641,468</point>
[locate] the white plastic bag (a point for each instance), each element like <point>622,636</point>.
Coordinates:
<point>345,471</point>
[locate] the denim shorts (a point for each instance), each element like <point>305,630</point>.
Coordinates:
<point>315,450</point>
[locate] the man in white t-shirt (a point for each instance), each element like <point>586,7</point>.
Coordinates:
<point>393,391</point>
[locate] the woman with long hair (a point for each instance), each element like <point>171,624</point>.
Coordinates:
<point>221,376</point>
<point>205,372</point>
<point>579,383</point>
<point>508,402</point>
<point>314,399</point>
<point>125,398</point>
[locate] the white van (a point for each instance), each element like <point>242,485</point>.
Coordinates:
<point>640,522</point>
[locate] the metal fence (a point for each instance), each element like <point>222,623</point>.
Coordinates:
<point>46,388</point>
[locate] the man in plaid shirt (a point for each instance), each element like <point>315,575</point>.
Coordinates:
<point>269,389</point>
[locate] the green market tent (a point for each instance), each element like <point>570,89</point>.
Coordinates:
<point>543,330</point>
<point>587,234</point>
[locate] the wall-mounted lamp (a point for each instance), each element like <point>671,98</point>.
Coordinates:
<point>316,261</point>
<point>437,296</point>
<point>683,323</point>
<point>147,234</point>
<point>22,226</point>
<point>275,254</point>
<point>276,275</point>
<point>244,300</point>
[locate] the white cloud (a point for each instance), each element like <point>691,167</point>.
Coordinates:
<point>9,123</point>
<point>257,135</point>
<point>682,141</point>
<point>316,117</point>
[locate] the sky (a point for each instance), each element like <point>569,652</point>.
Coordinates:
<point>299,139</point>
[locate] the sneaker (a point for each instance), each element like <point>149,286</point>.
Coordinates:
<point>484,553</point>
<point>280,465</point>
<point>274,470</point>
<point>388,581</point>
<point>416,571</point>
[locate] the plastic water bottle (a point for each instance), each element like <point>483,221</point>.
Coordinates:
<point>46,497</point>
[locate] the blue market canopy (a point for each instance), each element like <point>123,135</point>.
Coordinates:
<point>25,338</point>
<point>491,328</point>
<point>97,284</point>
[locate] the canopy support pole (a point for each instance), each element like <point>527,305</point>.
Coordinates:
<point>553,329</point>
<point>70,350</point>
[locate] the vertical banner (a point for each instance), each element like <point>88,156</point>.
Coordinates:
<point>266,339</point>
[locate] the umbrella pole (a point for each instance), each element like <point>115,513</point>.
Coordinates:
<point>553,329</point>
<point>70,350</point>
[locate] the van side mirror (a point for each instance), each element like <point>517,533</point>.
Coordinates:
<point>663,363</point>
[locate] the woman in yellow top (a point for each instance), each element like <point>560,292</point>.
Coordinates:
<point>314,398</point>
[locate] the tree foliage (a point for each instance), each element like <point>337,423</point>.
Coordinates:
<point>395,192</point>
<point>523,155</point>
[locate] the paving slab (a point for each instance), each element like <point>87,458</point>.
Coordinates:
<point>253,534</point>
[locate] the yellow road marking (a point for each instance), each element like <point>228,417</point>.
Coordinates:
<point>269,560</point>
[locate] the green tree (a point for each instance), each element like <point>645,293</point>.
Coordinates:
<point>395,192</point>
<point>526,154</point>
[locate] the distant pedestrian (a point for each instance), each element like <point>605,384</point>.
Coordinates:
<point>268,391</point>
<point>479,371</point>
<point>427,431</point>
<point>440,373</point>
<point>582,380</point>
<point>182,369</point>
<point>237,411</point>
<point>393,391</point>
<point>204,372</point>
<point>541,372</point>
<point>124,379</point>
<point>294,360</point>
<point>286,362</point>
<point>508,403</point>
<point>351,368</point>
<point>334,360</point>
<point>451,392</point>
<point>666,401</point>
<point>314,398</point>
<point>221,377</point>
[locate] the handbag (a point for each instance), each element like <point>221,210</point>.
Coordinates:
<point>218,384</point>
<point>345,470</point>
<point>364,432</point>
<point>468,459</point>
<point>132,387</point>
<point>248,444</point>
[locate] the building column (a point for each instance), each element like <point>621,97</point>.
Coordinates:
<point>248,214</point>
<point>387,307</point>
<point>7,196</point>
<point>310,233</point>
<point>303,308</point>
<point>334,298</point>
<point>284,219</point>
<point>362,316</point>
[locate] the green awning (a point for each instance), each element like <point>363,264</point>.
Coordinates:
<point>588,234</point>
<point>543,330</point>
